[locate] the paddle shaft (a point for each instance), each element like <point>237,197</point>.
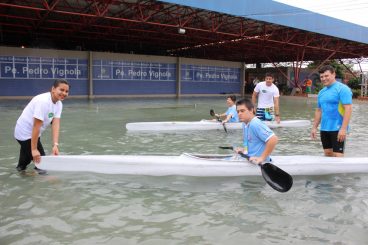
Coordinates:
<point>212,113</point>
<point>240,153</point>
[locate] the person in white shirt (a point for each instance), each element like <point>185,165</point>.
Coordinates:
<point>43,110</point>
<point>268,95</point>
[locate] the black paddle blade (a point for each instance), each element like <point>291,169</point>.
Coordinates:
<point>212,112</point>
<point>226,147</point>
<point>277,178</point>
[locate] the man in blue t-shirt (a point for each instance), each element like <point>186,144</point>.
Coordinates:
<point>258,139</point>
<point>333,112</point>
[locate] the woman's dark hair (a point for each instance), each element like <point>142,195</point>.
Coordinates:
<point>60,81</point>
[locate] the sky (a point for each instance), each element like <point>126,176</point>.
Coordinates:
<point>354,11</point>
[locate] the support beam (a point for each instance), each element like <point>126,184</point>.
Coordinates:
<point>178,77</point>
<point>90,76</point>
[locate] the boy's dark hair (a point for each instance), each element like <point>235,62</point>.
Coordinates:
<point>232,97</point>
<point>269,74</point>
<point>60,81</point>
<point>325,68</point>
<point>247,103</point>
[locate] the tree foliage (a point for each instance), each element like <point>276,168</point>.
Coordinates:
<point>339,68</point>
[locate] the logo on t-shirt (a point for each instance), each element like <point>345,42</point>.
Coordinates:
<point>264,91</point>
<point>51,115</point>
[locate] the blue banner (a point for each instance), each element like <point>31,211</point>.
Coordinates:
<point>133,71</point>
<point>42,68</point>
<point>196,73</point>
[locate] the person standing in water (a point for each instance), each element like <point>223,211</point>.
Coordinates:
<point>43,110</point>
<point>308,85</point>
<point>334,108</point>
<point>268,95</point>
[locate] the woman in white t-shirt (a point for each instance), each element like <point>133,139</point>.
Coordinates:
<point>43,110</point>
<point>268,99</point>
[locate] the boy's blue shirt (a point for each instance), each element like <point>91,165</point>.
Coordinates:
<point>232,110</point>
<point>255,136</point>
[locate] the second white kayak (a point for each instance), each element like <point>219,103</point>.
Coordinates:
<point>206,125</point>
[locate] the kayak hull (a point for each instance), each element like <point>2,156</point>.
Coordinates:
<point>207,125</point>
<point>200,165</point>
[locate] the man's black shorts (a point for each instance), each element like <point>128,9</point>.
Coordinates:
<point>329,141</point>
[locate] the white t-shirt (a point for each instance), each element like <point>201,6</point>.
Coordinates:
<point>266,94</point>
<point>40,107</point>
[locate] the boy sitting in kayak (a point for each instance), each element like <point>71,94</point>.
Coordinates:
<point>258,139</point>
<point>230,115</point>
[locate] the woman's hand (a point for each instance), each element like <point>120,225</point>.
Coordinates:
<point>36,156</point>
<point>55,150</point>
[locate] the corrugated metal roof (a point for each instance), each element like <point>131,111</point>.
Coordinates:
<point>231,30</point>
<point>282,14</point>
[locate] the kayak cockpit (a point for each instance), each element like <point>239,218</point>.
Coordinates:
<point>214,157</point>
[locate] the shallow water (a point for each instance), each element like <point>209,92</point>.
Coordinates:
<point>85,208</point>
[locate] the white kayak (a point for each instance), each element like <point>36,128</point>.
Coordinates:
<point>206,125</point>
<point>200,165</point>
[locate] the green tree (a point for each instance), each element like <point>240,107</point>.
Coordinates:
<point>339,68</point>
<point>354,83</point>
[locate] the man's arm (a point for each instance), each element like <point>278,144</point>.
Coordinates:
<point>345,122</point>
<point>276,101</point>
<point>254,98</point>
<point>317,120</point>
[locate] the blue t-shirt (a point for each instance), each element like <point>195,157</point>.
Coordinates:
<point>255,135</point>
<point>234,114</point>
<point>331,100</point>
